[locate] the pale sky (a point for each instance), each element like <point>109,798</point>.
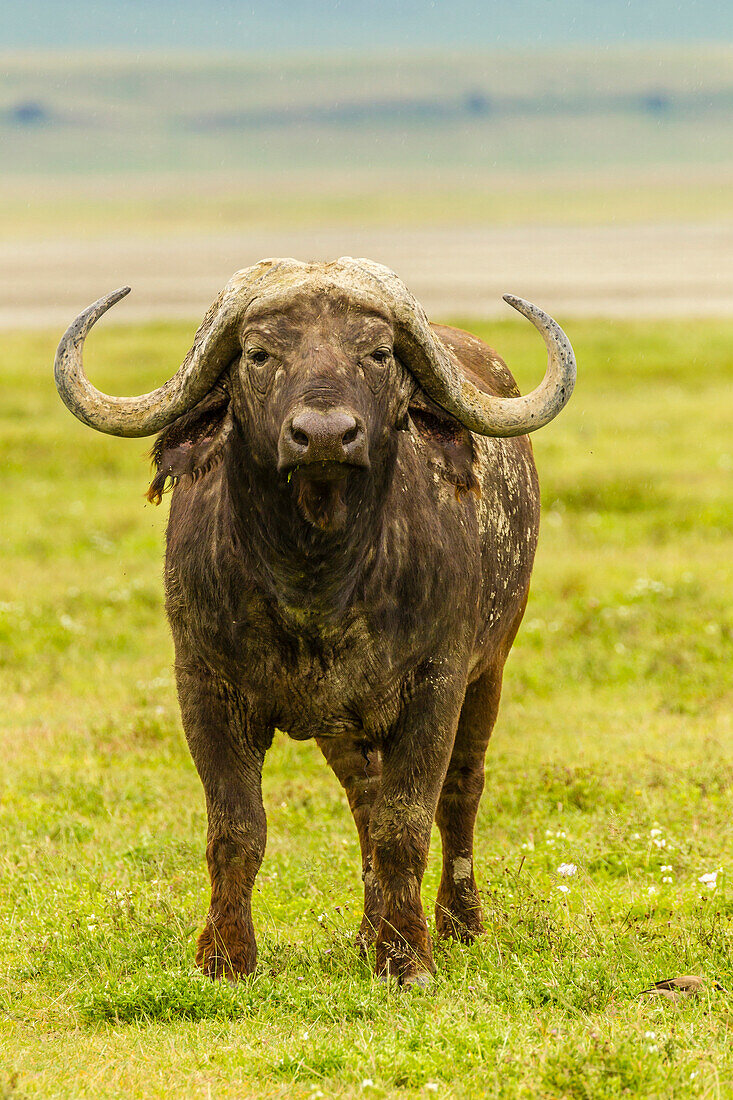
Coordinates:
<point>267,26</point>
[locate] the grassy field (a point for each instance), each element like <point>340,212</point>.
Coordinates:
<point>613,752</point>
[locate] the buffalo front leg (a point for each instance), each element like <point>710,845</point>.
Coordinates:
<point>228,749</point>
<point>358,768</point>
<point>415,759</point>
<point>458,906</point>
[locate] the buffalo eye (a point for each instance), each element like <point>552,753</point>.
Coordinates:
<point>381,355</point>
<point>258,356</point>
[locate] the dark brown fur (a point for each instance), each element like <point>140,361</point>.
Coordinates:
<point>373,611</point>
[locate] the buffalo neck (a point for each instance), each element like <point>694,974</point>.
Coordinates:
<point>313,576</point>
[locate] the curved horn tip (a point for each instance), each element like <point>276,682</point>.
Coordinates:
<point>98,308</point>
<point>516,302</point>
<point>79,328</point>
<point>116,295</point>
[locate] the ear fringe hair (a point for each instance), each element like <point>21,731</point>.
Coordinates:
<point>447,436</point>
<point>464,486</point>
<point>189,460</point>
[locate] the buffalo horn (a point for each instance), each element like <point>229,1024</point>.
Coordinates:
<point>275,281</point>
<point>440,375</point>
<point>214,347</point>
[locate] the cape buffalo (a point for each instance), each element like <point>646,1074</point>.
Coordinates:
<point>351,536</point>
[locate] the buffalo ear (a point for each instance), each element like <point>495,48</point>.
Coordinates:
<point>192,444</point>
<point>449,444</point>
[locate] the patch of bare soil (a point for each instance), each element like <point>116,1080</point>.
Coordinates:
<point>626,271</point>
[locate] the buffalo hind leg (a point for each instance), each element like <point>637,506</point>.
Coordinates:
<point>358,769</point>
<point>458,906</point>
<point>228,749</point>
<point>414,763</point>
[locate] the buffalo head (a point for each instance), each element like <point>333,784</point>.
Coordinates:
<point>310,368</point>
<point>317,395</point>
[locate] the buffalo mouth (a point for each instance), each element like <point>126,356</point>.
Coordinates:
<point>320,490</point>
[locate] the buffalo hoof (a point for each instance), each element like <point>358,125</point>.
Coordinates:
<point>421,979</point>
<point>404,953</point>
<point>390,980</point>
<point>229,960</point>
<point>418,980</point>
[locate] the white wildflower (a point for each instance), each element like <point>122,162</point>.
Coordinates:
<point>431,1086</point>
<point>321,917</point>
<point>655,832</point>
<point>567,869</point>
<point>710,879</point>
<point>649,1035</point>
<point>564,889</point>
<point>667,878</point>
<point>666,867</point>
<point>367,1083</point>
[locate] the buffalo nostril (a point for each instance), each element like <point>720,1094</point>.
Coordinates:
<point>328,435</point>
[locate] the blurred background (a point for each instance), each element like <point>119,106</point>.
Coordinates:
<point>577,154</point>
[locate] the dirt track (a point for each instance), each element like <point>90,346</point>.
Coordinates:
<point>629,271</point>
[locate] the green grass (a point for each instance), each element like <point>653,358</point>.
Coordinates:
<point>613,752</point>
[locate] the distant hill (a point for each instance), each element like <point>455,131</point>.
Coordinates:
<point>448,112</point>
